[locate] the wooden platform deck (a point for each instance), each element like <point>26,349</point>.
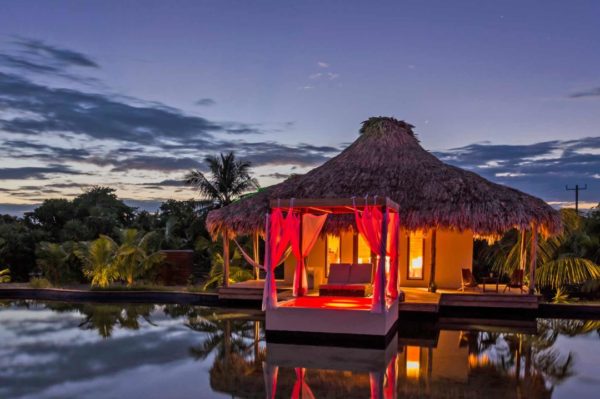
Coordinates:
<point>416,299</point>
<point>420,300</point>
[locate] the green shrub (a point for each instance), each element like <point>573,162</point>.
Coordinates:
<point>40,282</point>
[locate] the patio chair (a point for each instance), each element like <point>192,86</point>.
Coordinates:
<point>348,280</point>
<point>467,280</point>
<point>516,281</point>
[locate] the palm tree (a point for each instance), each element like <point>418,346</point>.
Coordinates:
<point>98,259</point>
<point>229,178</point>
<point>134,257</point>
<point>561,260</point>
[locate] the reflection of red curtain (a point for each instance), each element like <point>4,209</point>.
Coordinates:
<point>311,226</point>
<point>301,389</point>
<point>389,390</point>
<point>278,238</point>
<point>375,382</point>
<point>270,375</point>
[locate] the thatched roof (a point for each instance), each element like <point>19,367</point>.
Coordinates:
<point>387,160</point>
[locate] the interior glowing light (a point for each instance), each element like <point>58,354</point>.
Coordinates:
<point>417,263</point>
<point>360,260</point>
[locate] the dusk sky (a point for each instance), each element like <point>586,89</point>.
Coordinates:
<point>133,94</point>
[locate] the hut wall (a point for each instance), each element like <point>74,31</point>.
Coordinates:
<point>347,247</point>
<point>454,250</point>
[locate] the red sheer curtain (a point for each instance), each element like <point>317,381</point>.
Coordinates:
<point>370,224</point>
<point>278,238</point>
<point>392,252</point>
<point>310,226</point>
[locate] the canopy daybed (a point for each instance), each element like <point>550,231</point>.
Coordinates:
<point>378,222</point>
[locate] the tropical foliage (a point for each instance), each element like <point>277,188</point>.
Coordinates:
<point>5,276</point>
<point>566,260</point>
<point>238,271</point>
<point>106,261</point>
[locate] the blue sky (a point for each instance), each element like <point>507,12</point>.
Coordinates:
<point>134,94</point>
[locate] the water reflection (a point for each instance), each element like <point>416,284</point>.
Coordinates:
<point>89,350</point>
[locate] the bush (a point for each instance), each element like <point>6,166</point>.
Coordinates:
<point>40,282</point>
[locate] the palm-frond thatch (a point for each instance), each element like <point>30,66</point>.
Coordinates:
<point>387,160</point>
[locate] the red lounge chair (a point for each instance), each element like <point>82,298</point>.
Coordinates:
<point>516,281</point>
<point>348,280</point>
<point>467,280</point>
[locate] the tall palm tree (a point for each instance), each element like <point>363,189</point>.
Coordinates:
<point>229,178</point>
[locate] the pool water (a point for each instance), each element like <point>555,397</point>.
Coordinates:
<point>83,350</point>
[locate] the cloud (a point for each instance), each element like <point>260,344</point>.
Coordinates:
<point>160,163</point>
<point>33,172</point>
<point>60,55</point>
<point>542,168</point>
<point>277,175</point>
<point>595,92</point>
<point>322,64</point>
<point>205,102</point>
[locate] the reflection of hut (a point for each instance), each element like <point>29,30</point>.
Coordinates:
<point>442,207</point>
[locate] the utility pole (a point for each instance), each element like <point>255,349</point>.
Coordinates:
<point>577,188</point>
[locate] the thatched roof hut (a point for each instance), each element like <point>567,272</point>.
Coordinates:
<point>387,160</point>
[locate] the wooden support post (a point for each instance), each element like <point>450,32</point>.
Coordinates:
<point>303,273</point>
<point>533,258</point>
<point>225,259</point>
<point>354,247</point>
<point>522,250</point>
<point>433,255</point>
<point>256,254</point>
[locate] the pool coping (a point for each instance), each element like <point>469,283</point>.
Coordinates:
<point>547,310</point>
<point>63,294</point>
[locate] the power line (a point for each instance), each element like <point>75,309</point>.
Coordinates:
<point>577,188</point>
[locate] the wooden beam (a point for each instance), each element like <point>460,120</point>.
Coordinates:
<point>533,258</point>
<point>331,202</point>
<point>314,208</point>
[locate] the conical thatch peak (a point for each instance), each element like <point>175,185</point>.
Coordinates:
<point>387,160</point>
<point>380,125</point>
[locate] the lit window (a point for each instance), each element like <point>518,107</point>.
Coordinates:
<point>415,256</point>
